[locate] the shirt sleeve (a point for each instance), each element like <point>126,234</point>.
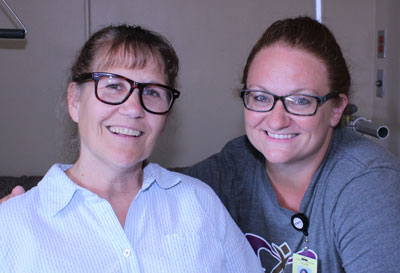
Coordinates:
<point>366,222</point>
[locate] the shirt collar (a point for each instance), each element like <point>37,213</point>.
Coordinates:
<point>57,189</point>
<point>154,173</point>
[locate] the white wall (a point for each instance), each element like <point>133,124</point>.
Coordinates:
<point>212,39</point>
<point>32,76</point>
<point>386,110</point>
<point>353,23</point>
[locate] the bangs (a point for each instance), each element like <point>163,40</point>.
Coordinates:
<point>127,56</point>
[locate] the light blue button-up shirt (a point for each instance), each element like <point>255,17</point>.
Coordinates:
<point>175,224</point>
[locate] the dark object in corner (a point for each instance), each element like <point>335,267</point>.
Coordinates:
<point>7,183</point>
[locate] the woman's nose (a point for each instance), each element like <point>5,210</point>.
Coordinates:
<point>278,118</point>
<point>132,106</point>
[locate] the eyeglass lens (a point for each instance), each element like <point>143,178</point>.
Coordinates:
<point>295,104</point>
<point>113,89</point>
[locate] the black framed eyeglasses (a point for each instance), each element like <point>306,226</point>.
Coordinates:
<point>115,89</point>
<point>295,104</point>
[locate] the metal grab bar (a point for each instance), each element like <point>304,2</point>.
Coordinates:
<point>8,33</point>
<point>363,125</point>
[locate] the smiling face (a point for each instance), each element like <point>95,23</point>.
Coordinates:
<point>281,137</point>
<point>117,136</point>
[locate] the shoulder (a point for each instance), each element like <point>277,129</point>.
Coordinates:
<point>356,174</point>
<point>235,150</point>
<point>234,157</point>
<point>231,172</point>
<point>19,204</point>
<point>353,157</point>
<point>189,206</point>
<point>361,152</point>
<point>358,196</point>
<point>362,178</point>
<point>187,197</point>
<point>17,216</point>
<point>38,200</point>
<point>239,146</point>
<point>363,193</point>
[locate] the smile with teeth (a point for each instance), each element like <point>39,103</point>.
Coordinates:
<point>124,131</point>
<point>281,136</point>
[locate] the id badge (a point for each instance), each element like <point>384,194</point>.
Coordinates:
<point>304,264</point>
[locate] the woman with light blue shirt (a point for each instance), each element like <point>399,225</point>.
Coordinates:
<point>109,211</point>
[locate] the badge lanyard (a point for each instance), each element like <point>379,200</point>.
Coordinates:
<point>306,260</point>
<point>300,223</point>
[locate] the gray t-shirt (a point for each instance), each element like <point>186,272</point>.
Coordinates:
<point>352,203</point>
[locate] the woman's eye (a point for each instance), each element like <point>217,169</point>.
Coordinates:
<point>261,98</point>
<point>115,86</point>
<point>151,92</point>
<point>301,100</point>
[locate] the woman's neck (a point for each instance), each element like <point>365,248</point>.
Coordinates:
<point>118,186</point>
<point>291,180</point>
<point>289,185</point>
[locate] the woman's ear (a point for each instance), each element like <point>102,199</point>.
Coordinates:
<point>338,109</point>
<point>73,101</point>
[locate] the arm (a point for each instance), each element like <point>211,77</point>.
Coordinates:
<point>366,222</point>
<point>239,255</point>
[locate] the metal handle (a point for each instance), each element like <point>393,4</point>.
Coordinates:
<point>364,126</point>
<point>13,33</point>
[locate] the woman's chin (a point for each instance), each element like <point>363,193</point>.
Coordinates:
<point>127,161</point>
<point>278,157</point>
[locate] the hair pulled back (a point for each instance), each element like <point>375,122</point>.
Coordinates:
<point>310,35</point>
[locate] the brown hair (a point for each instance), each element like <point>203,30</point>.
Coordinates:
<point>128,46</point>
<point>312,36</point>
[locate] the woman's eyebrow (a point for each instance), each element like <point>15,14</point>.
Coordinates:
<point>257,87</point>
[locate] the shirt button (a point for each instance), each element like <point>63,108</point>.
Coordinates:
<point>127,253</point>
